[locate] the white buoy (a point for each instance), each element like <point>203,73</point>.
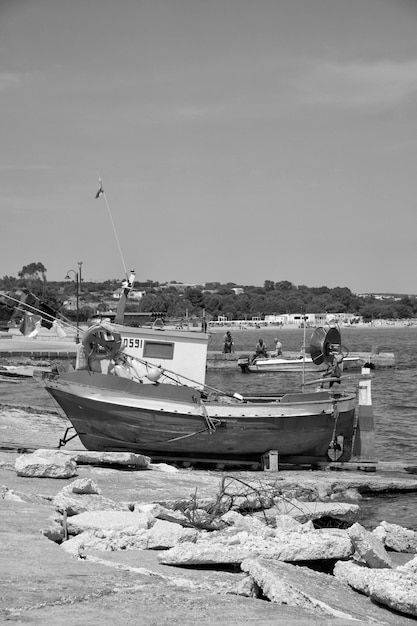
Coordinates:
<point>139,368</point>
<point>153,374</point>
<point>121,371</point>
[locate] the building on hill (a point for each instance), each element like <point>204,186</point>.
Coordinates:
<point>133,295</point>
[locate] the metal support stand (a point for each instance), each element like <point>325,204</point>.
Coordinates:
<point>64,441</point>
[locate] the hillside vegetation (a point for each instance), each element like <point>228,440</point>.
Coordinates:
<point>212,299</point>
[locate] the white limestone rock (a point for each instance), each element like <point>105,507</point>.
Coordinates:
<point>83,495</point>
<point>246,522</point>
<point>43,464</point>
<point>283,583</point>
<point>83,486</point>
<point>394,588</point>
<point>108,520</point>
<point>165,535</point>
<point>353,574</point>
<point>305,511</point>
<point>87,457</point>
<point>396,537</point>
<point>287,546</point>
<point>369,548</point>
<point>151,508</point>
<point>74,504</point>
<point>106,540</point>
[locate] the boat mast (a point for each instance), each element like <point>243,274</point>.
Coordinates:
<point>127,286</point>
<point>128,283</point>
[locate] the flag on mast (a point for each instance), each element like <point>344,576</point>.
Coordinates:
<point>101,190</point>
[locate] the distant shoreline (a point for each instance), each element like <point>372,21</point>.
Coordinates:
<point>286,327</point>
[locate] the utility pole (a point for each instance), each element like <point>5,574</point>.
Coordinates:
<point>79,273</point>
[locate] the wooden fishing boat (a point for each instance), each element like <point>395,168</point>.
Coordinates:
<point>179,423</point>
<point>119,401</point>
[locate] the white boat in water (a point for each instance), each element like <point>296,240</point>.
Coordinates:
<point>291,364</point>
<point>17,371</point>
<point>325,350</point>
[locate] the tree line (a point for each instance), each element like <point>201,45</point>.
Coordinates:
<point>275,298</point>
<point>212,299</point>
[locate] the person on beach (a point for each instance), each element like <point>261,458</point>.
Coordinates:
<point>228,343</point>
<point>260,350</point>
<point>278,347</point>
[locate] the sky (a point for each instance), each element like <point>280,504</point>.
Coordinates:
<point>237,140</point>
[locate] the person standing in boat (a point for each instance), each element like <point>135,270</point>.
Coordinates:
<point>334,370</point>
<point>260,350</point>
<point>228,343</point>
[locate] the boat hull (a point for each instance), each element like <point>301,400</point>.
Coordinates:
<point>112,414</point>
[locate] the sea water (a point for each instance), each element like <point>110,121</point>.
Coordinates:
<point>394,395</point>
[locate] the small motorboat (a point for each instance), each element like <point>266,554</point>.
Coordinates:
<point>16,371</point>
<point>291,364</point>
<point>310,359</point>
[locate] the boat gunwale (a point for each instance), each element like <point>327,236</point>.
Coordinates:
<point>65,385</point>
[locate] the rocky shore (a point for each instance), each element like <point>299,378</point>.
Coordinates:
<point>102,538</point>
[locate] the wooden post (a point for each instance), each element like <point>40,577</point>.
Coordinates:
<point>270,461</point>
